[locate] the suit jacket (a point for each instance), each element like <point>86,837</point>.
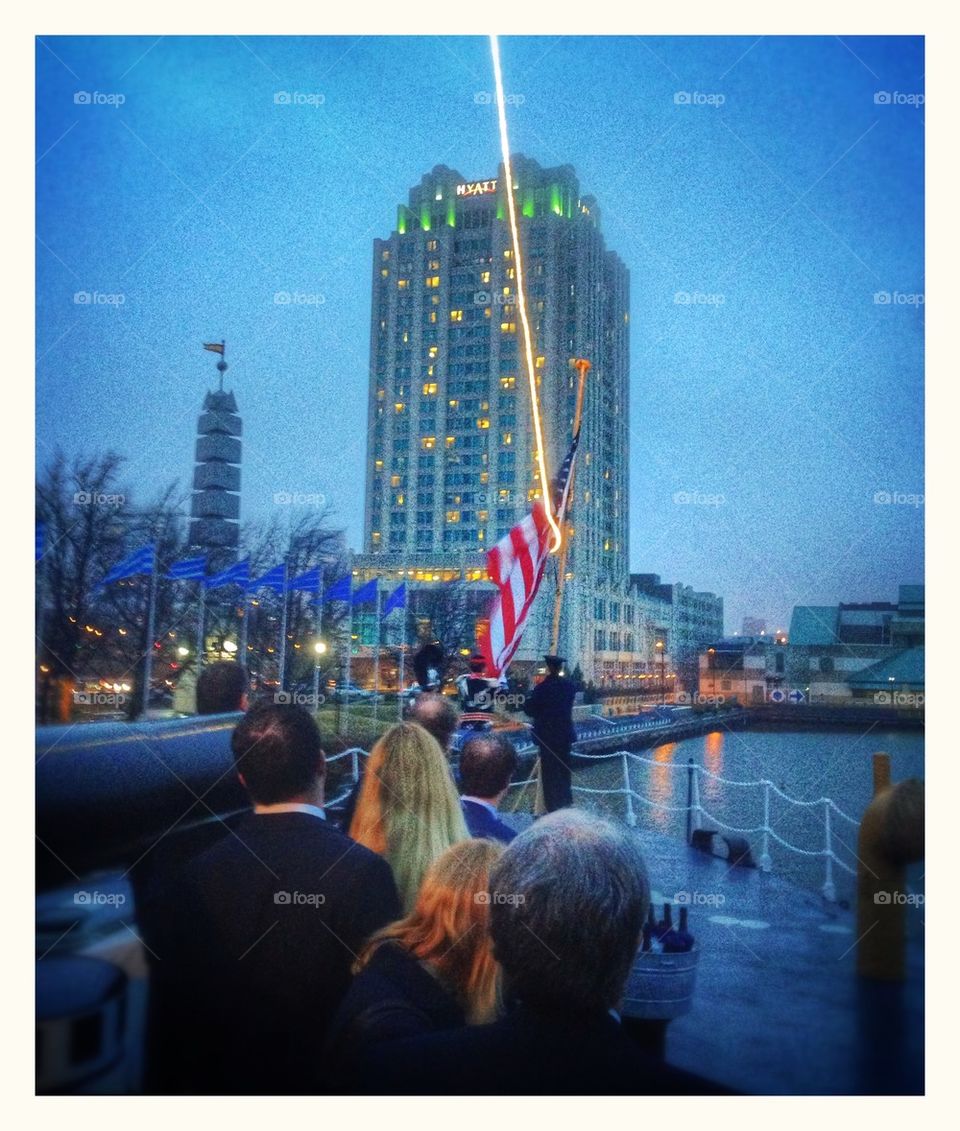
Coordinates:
<point>482,823</point>
<point>394,996</point>
<point>527,1052</point>
<point>257,949</point>
<point>550,705</point>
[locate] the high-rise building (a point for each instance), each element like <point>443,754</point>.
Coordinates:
<point>452,450</point>
<point>215,504</point>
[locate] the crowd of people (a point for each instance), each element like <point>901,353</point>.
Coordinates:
<point>423,947</point>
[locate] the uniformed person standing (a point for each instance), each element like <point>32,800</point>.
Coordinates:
<point>550,705</point>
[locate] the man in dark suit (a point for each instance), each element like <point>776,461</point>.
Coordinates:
<point>550,705</point>
<point>487,765</point>
<point>567,904</point>
<point>268,922</point>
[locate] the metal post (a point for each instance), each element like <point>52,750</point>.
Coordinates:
<point>151,614</point>
<point>376,658</point>
<point>689,801</point>
<point>829,889</point>
<point>345,690</point>
<point>765,863</point>
<point>244,629</point>
<point>316,682</point>
<point>200,619</point>
<point>355,765</point>
<point>631,816</point>
<point>696,809</point>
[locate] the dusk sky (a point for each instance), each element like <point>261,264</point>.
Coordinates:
<point>776,419</point>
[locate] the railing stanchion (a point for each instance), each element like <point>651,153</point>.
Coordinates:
<point>829,889</point>
<point>355,765</point>
<point>765,864</point>
<point>631,816</point>
<point>689,801</point>
<point>696,807</point>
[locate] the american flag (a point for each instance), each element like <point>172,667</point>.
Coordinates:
<point>515,565</point>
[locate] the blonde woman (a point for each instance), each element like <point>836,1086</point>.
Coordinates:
<point>430,971</point>
<point>408,809</point>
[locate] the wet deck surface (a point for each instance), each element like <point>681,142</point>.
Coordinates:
<point>778,1008</point>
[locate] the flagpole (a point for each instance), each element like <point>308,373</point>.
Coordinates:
<point>403,644</point>
<point>200,619</point>
<point>582,366</point>
<point>283,629</point>
<point>376,659</point>
<point>345,691</point>
<point>151,615</point>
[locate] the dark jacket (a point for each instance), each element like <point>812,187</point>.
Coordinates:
<point>528,1052</point>
<point>482,823</point>
<point>550,705</point>
<point>257,949</point>
<point>393,997</point>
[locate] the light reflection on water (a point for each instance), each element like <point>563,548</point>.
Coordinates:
<point>806,764</point>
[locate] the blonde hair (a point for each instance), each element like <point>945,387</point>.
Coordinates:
<point>448,928</point>
<point>408,809</point>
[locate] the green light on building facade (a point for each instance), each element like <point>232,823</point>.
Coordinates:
<point>451,213</point>
<point>402,220</point>
<point>425,216</point>
<point>556,205</point>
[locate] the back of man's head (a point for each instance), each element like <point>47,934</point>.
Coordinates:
<point>437,715</point>
<point>276,748</point>
<point>569,897</point>
<point>487,763</point>
<point>221,688</point>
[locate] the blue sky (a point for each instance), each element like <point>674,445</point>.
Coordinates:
<point>776,182</point>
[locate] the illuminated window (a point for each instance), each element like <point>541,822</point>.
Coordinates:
<point>508,382</point>
<point>400,499</point>
<point>508,254</point>
<point>378,464</point>
<point>428,443</point>
<point>453,516</point>
<point>432,280</point>
<point>533,493</point>
<point>456,315</point>
<point>402,283</point>
<point>434,265</point>
<point>483,423</point>
<point>384,272</point>
<point>431,245</point>
<point>481,516</point>
<point>484,276</point>
<point>385,255</point>
<point>432,351</point>
<point>451,440</point>
<point>394,480</point>
<point>433,316</point>
<point>430,369</point>
<point>506,290</point>
<point>381,393</point>
<point>508,327</point>
<point>506,439</point>
<point>430,389</point>
<point>406,335</point>
<point>540,362</point>
<point>375,536</point>
<point>484,476</point>
<point>399,406</point>
<point>504,494</point>
<point>453,404</point>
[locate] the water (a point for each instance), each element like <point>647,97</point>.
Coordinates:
<point>804,764</point>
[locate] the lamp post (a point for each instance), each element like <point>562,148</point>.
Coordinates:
<point>663,661</point>
<point>319,649</point>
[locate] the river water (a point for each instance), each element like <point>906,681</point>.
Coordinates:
<point>805,764</point>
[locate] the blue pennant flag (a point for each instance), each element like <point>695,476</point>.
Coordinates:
<point>366,592</point>
<point>237,574</point>
<point>140,561</point>
<point>41,530</point>
<point>190,569</point>
<point>339,590</point>
<point>396,599</point>
<point>310,580</point>
<point>274,579</point>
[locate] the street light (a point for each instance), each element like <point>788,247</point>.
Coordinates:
<point>229,646</point>
<point>663,661</point>
<point>181,651</point>
<point>319,649</point>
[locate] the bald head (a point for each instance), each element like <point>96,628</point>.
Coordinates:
<point>437,715</point>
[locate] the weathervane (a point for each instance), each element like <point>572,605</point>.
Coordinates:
<point>220,348</point>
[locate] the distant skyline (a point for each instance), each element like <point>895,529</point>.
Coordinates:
<point>765,194</point>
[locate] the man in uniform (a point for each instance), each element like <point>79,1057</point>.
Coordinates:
<point>550,705</point>
<point>477,692</point>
